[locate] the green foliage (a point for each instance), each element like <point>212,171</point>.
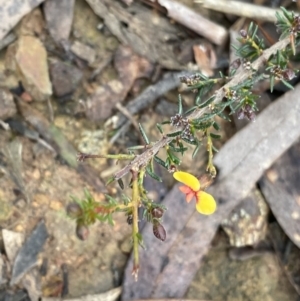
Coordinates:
<point>196,127</point>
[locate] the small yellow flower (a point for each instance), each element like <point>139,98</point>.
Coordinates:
<point>205,202</point>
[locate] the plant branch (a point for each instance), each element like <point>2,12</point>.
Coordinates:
<point>240,76</point>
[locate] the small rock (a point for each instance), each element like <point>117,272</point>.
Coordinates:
<point>32,284</point>
<point>7,106</point>
<point>13,11</point>
<point>36,174</point>
<point>56,205</point>
<point>246,225</point>
<point>15,296</point>
<point>31,59</point>
<point>3,269</point>
<point>19,228</point>
<point>12,243</point>
<point>26,96</point>
<point>84,52</point>
<point>11,37</point>
<point>64,77</point>
<point>32,24</point>
<point>59,17</point>
<point>41,199</point>
<point>10,62</point>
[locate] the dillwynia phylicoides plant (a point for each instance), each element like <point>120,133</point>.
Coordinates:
<point>193,128</point>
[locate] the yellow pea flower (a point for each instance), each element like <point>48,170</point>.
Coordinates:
<point>205,202</point>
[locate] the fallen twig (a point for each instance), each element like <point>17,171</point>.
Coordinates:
<point>248,10</point>
<point>169,82</point>
<point>194,21</point>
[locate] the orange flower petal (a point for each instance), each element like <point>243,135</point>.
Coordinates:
<point>190,196</point>
<point>185,189</point>
<point>188,192</point>
<point>187,179</point>
<point>206,203</point>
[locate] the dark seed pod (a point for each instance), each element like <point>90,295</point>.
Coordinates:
<point>121,184</point>
<point>82,232</point>
<point>157,212</point>
<point>159,231</point>
<point>73,210</point>
<point>129,219</point>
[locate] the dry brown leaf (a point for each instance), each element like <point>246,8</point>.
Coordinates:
<point>205,58</point>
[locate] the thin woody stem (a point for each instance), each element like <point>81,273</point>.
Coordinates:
<point>135,226</point>
<point>83,156</point>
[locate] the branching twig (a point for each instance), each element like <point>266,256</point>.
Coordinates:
<point>240,76</point>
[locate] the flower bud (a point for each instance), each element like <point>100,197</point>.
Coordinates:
<point>248,108</point>
<point>159,231</point>
<point>82,231</point>
<point>157,212</point>
<point>73,210</point>
<point>236,63</point>
<point>243,33</point>
<point>251,116</point>
<point>288,74</point>
<point>172,168</point>
<point>240,114</point>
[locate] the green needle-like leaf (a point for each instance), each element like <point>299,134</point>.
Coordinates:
<point>158,125</point>
<point>174,134</point>
<point>287,84</point>
<point>196,150</point>
<point>160,162</point>
<point>145,138</point>
<point>110,180</point>
<point>153,175</point>
<point>215,136</point>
